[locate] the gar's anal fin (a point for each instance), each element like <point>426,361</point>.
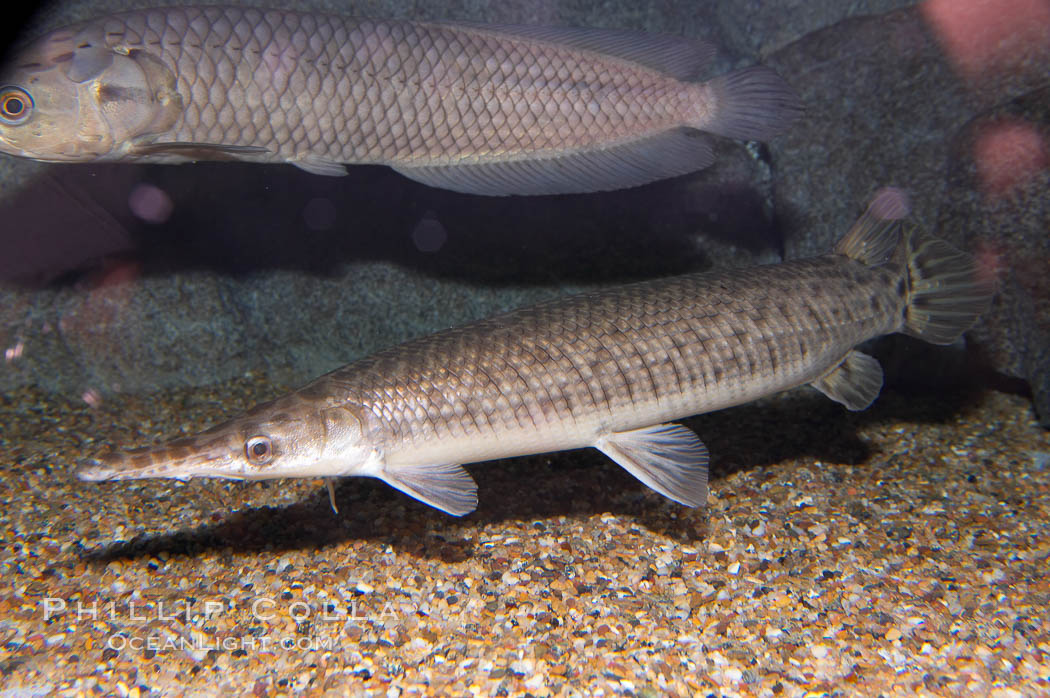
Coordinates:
<point>855,382</point>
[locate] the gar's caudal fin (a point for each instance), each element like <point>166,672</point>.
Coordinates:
<point>947,292</point>
<point>753,104</point>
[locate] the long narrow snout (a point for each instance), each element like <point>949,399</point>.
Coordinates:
<point>180,459</point>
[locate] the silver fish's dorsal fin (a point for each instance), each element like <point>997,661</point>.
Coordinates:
<point>676,56</point>
<point>855,382</point>
<point>669,458</point>
<point>447,486</point>
<point>669,154</point>
<point>876,234</point>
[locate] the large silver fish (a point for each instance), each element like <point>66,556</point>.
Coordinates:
<point>474,108</point>
<point>607,369</point>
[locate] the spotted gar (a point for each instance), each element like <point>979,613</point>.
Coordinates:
<point>608,369</point>
<point>486,109</point>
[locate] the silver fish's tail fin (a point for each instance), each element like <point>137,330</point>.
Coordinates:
<point>947,292</point>
<point>753,104</point>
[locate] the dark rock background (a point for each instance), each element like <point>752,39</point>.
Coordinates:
<point>134,278</point>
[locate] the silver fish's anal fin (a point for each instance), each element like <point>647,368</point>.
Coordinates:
<point>669,458</point>
<point>447,487</point>
<point>855,382</point>
<point>676,56</point>
<point>190,151</point>
<point>329,483</point>
<point>947,290</point>
<point>319,166</point>
<point>753,104</point>
<point>877,233</point>
<point>664,155</point>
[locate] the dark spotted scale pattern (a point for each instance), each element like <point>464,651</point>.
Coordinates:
<point>561,372</point>
<point>388,91</point>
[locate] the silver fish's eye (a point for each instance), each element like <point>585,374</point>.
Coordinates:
<point>15,105</point>
<point>258,450</point>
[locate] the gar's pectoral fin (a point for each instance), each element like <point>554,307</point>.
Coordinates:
<point>669,458</point>
<point>447,486</point>
<point>855,382</point>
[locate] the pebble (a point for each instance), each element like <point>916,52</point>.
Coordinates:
<point>883,575</point>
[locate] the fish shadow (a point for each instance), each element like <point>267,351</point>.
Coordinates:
<point>238,219</point>
<point>543,489</point>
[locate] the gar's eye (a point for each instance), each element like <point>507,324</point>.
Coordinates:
<point>258,450</point>
<point>15,105</point>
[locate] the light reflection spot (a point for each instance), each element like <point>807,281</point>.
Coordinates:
<point>14,353</point>
<point>151,204</point>
<point>92,398</point>
<point>986,38</point>
<point>1008,152</point>
<point>429,235</point>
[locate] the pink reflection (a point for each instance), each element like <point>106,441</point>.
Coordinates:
<point>14,353</point>
<point>151,204</point>
<point>985,38</point>
<point>990,261</point>
<point>993,44</point>
<point>92,397</point>
<point>1007,152</point>
<point>116,273</point>
<point>62,220</point>
<point>890,204</point>
<point>93,321</point>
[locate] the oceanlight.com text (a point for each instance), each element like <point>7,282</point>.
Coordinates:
<point>199,644</point>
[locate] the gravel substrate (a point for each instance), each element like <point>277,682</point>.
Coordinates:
<point>897,551</point>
